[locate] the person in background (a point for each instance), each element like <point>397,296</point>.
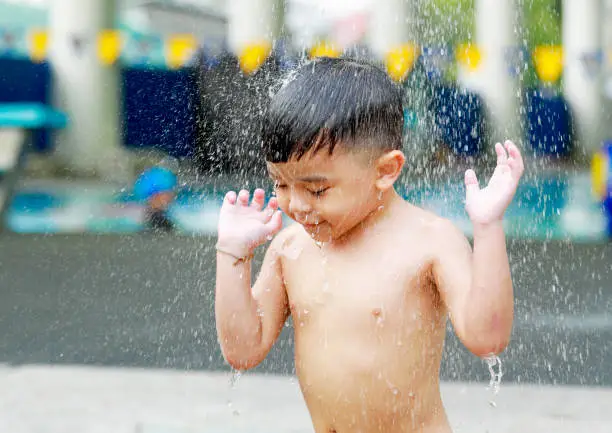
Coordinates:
<point>157,185</point>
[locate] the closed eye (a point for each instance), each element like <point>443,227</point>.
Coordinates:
<point>319,192</point>
<point>278,185</point>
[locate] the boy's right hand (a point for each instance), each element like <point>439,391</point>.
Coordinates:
<point>243,226</point>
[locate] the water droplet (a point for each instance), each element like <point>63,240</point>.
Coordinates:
<point>496,377</point>
<point>234,378</point>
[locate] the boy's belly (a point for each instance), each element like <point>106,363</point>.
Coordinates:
<point>359,383</point>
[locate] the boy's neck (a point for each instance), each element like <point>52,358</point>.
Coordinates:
<point>389,200</point>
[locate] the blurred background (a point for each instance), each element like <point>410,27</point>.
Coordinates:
<point>124,122</point>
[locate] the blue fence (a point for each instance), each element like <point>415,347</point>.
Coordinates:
<point>160,109</point>
<point>159,105</point>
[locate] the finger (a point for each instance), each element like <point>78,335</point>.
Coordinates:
<point>275,223</point>
<point>243,197</point>
<point>516,159</point>
<point>471,184</point>
<point>273,203</point>
<point>269,211</point>
<point>258,199</point>
<point>230,197</point>
<point>502,157</point>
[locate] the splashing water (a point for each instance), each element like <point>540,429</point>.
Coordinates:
<point>495,381</point>
<point>233,382</point>
<point>325,287</point>
<point>235,378</point>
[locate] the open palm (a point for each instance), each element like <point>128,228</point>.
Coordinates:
<point>488,204</point>
<point>246,226</point>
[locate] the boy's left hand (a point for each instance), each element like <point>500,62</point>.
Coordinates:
<point>487,205</point>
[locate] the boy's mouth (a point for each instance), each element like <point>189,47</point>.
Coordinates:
<point>310,226</point>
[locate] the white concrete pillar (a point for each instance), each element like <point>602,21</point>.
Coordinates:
<point>496,28</point>
<point>253,22</point>
<point>390,25</point>
<point>84,88</point>
<point>582,79</point>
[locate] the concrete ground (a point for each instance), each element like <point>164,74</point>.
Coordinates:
<point>66,399</point>
<point>147,302</point>
<point>105,334</point>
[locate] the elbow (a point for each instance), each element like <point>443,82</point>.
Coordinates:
<point>242,362</point>
<point>242,356</point>
<point>241,350</point>
<point>488,347</point>
<point>487,342</point>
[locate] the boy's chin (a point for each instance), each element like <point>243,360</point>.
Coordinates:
<point>319,232</point>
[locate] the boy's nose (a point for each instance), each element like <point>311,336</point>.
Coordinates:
<point>298,206</point>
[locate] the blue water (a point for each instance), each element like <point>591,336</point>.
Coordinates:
<point>552,207</point>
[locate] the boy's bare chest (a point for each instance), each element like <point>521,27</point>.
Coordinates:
<point>360,288</point>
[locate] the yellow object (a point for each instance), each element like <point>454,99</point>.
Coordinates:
<point>180,49</point>
<point>253,56</point>
<point>548,60</point>
<point>324,49</point>
<point>469,55</point>
<point>110,44</point>
<point>599,174</point>
<point>400,61</point>
<point>39,43</point>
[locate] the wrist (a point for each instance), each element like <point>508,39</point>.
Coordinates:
<point>481,228</point>
<point>235,248</point>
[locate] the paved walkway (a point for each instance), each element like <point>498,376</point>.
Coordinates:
<point>45,399</point>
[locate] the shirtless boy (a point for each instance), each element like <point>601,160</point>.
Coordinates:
<point>368,278</point>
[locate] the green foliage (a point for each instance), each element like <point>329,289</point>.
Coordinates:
<point>445,21</point>
<point>452,22</point>
<point>542,22</point>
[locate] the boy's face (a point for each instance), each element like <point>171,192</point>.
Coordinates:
<point>327,194</point>
<point>161,200</point>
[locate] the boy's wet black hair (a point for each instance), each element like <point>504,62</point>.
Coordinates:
<point>330,100</point>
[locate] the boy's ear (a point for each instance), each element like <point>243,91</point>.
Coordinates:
<point>388,168</point>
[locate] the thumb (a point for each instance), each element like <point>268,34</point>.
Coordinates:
<point>275,223</point>
<point>471,184</point>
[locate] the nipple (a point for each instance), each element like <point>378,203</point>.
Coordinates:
<point>378,314</point>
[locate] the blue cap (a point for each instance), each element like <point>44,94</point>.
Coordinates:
<point>154,181</point>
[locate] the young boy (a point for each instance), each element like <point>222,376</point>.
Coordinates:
<point>368,278</point>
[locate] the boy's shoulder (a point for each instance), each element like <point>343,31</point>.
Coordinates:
<point>286,237</point>
<point>427,224</point>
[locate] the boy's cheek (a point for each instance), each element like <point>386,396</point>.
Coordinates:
<point>283,204</point>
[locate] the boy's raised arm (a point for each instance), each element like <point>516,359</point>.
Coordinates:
<point>476,285</point>
<point>248,319</point>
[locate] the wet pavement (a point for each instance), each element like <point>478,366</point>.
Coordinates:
<point>95,400</point>
<point>141,301</point>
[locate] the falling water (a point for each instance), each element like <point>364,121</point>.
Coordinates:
<point>496,377</point>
